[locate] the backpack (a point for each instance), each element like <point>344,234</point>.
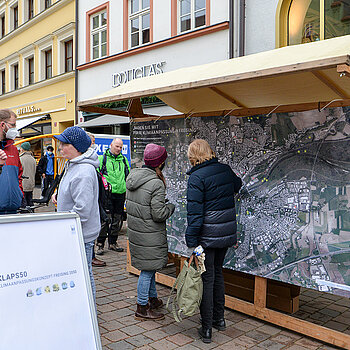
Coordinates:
<point>189,290</point>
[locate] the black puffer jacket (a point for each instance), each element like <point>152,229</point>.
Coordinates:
<point>211,214</point>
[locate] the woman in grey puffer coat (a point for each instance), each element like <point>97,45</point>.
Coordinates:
<point>147,214</point>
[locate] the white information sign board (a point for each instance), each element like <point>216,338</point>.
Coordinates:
<point>45,292</point>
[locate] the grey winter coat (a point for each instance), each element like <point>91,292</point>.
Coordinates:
<point>147,214</point>
<point>29,167</point>
<point>78,192</point>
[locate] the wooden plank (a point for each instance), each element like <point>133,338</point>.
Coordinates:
<point>344,69</point>
<point>260,292</point>
<point>333,86</point>
<point>289,322</point>
<point>135,107</point>
<point>227,97</point>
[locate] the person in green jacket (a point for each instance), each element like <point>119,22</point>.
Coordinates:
<point>115,168</point>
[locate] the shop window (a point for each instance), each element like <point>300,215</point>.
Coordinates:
<point>14,17</point>
<point>306,23</point>
<point>68,56</point>
<point>98,35</point>
<point>30,65</point>
<point>3,81</point>
<point>2,25</point>
<point>48,64</point>
<point>139,22</point>
<point>15,76</point>
<point>192,14</point>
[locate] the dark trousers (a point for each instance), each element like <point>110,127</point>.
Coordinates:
<point>47,183</point>
<point>213,301</point>
<point>111,229</point>
<point>27,199</point>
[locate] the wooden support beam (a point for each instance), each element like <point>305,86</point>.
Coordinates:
<point>227,97</point>
<point>343,69</point>
<point>260,292</point>
<point>101,110</point>
<point>320,76</point>
<point>135,107</point>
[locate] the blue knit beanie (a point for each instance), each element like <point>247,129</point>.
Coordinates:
<point>77,137</point>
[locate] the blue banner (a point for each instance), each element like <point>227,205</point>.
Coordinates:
<point>104,143</point>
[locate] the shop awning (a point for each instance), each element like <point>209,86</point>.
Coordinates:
<point>105,120</point>
<point>25,122</point>
<point>294,75</point>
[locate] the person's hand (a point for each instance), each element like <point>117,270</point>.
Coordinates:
<point>43,176</point>
<point>54,198</point>
<point>3,157</point>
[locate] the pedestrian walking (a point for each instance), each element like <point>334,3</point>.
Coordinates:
<point>115,168</point>
<point>46,169</point>
<point>29,167</point>
<point>211,219</point>
<point>10,165</point>
<point>147,212</point>
<point>78,190</point>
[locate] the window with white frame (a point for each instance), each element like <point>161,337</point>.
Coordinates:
<point>2,25</point>
<point>191,14</point>
<point>98,34</point>
<point>29,79</point>
<point>44,4</point>
<point>2,81</point>
<point>139,22</point>
<point>14,76</point>
<point>48,63</point>
<point>14,17</point>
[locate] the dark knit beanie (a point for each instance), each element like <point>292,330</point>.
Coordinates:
<point>77,137</point>
<point>154,155</point>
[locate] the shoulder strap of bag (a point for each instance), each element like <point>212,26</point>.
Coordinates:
<point>104,164</point>
<point>126,169</point>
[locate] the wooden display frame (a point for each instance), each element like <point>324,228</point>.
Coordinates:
<point>258,308</point>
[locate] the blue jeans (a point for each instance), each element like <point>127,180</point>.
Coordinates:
<point>88,250</point>
<point>146,287</point>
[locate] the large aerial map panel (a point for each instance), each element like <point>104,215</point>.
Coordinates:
<point>293,211</point>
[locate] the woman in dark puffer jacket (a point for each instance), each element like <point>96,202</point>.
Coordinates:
<point>211,219</point>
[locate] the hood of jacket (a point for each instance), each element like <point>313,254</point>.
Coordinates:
<point>89,157</point>
<point>139,177</point>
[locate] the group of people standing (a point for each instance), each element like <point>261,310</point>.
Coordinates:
<point>211,215</point>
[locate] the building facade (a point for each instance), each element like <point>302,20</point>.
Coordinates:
<point>130,39</point>
<point>37,78</point>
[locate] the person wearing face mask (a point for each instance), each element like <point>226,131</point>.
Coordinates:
<point>46,169</point>
<point>11,168</point>
<point>115,168</point>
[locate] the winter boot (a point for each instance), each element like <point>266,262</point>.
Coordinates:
<point>155,303</point>
<point>100,250</point>
<point>144,313</point>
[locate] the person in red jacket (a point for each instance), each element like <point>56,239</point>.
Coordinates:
<point>11,170</point>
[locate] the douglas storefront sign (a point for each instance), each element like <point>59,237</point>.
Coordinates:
<point>138,72</point>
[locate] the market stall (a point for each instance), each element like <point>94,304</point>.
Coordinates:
<point>281,120</point>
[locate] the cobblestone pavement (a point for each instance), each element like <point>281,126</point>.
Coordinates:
<point>116,300</point>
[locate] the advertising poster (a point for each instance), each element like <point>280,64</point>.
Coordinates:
<point>45,294</point>
<point>293,211</point>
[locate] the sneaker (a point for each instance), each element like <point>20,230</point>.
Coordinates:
<point>115,248</point>
<point>100,250</point>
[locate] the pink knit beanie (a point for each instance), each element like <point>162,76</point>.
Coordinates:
<point>154,155</point>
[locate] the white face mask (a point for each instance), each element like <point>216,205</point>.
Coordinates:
<point>11,133</point>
